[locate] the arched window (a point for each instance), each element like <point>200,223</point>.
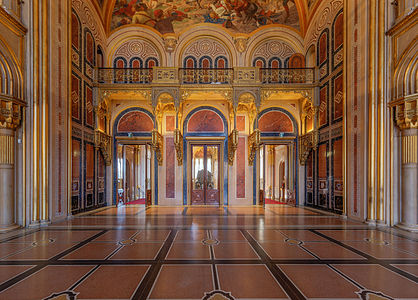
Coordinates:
<point>259,62</point>
<point>188,75</point>
<point>135,63</point>
<point>119,64</point>
<point>151,62</point>
<point>205,62</point>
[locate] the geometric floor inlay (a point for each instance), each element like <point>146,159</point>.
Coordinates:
<point>279,252</point>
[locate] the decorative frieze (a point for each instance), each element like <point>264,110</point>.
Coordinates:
<point>165,75</point>
<point>249,75</point>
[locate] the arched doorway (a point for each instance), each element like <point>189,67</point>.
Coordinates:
<point>277,169</point>
<point>206,146</point>
<point>135,163</point>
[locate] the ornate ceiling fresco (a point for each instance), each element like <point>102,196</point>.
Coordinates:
<point>173,16</point>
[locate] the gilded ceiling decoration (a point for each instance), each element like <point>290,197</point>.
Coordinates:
<point>172,16</point>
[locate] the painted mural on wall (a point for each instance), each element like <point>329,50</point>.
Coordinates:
<point>205,121</point>
<point>275,121</point>
<point>168,16</point>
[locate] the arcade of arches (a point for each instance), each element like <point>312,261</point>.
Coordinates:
<point>148,141</point>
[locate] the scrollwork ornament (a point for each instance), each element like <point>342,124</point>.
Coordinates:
<point>241,44</point>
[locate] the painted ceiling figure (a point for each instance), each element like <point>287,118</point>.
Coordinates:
<point>286,7</point>
<point>164,20</point>
<point>238,15</point>
<point>141,16</point>
<point>126,8</point>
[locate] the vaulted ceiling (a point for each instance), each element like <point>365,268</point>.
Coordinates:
<point>176,16</point>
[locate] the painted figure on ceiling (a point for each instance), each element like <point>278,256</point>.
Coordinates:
<point>286,7</point>
<point>125,8</point>
<point>164,20</point>
<point>141,16</point>
<point>176,15</point>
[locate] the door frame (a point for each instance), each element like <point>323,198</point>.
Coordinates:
<point>123,141</point>
<point>292,157</point>
<point>220,141</point>
<point>205,146</point>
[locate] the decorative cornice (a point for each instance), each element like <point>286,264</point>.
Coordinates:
<point>412,17</point>
<point>11,22</point>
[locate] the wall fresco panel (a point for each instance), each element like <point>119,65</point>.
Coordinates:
<point>241,168</point>
<point>169,123</point>
<point>135,121</point>
<point>205,121</point>
<point>241,123</point>
<point>170,169</point>
<point>275,121</point>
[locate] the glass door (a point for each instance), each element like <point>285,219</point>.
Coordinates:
<point>205,175</point>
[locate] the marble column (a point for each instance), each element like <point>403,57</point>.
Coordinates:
<point>409,204</point>
<point>7,177</point>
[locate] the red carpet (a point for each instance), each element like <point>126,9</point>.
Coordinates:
<point>139,201</point>
<point>271,201</point>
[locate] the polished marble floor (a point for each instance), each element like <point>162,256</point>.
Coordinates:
<point>279,252</point>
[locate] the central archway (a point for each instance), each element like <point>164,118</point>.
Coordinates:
<point>205,128</point>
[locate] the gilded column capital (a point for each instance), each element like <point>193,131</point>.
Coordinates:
<point>406,113</point>
<point>10,114</point>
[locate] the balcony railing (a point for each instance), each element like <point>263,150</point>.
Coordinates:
<point>287,76</point>
<point>192,76</point>
<point>206,76</point>
<point>124,75</point>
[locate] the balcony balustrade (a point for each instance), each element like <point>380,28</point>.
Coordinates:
<point>124,76</point>
<point>205,76</point>
<point>287,76</point>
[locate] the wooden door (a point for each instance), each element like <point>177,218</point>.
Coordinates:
<point>205,175</point>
